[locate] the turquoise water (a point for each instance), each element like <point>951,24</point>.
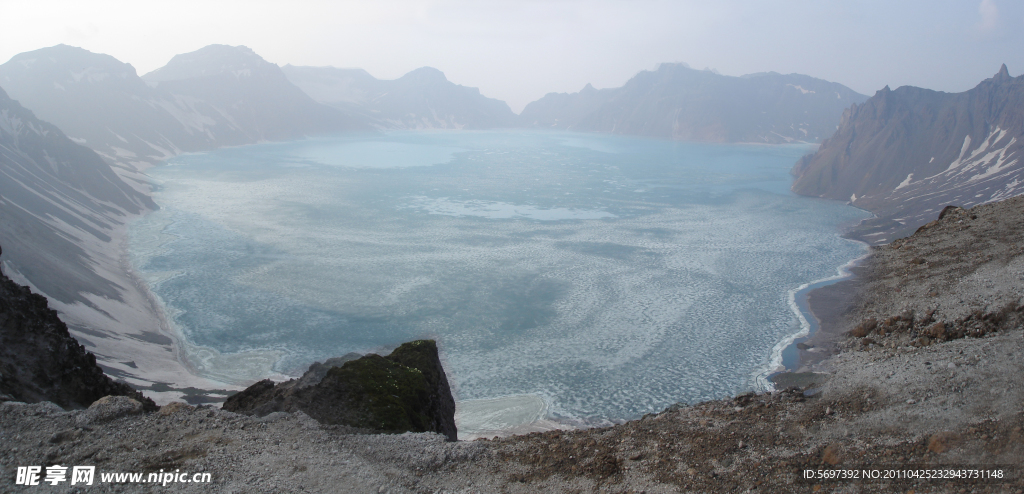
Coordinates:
<point>610,276</point>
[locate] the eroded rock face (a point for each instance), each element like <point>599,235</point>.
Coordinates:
<point>404,391</point>
<point>906,153</point>
<point>41,361</point>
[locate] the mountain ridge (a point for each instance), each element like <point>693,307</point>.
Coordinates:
<point>905,154</point>
<point>186,106</point>
<point>680,103</point>
<point>421,99</point>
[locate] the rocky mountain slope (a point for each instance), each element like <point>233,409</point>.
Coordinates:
<point>421,99</point>
<point>41,361</point>
<point>906,154</point>
<point>216,96</point>
<point>58,199</point>
<point>101,102</point>
<point>677,102</point>
<point>898,402</point>
<point>64,212</point>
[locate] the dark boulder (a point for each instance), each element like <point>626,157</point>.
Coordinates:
<point>404,391</point>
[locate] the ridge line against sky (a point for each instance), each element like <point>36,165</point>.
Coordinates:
<point>518,51</point>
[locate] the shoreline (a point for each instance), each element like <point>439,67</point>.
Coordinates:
<point>833,307</point>
<point>784,326</point>
<point>199,381</point>
<point>794,353</point>
<point>830,307</point>
<point>198,362</point>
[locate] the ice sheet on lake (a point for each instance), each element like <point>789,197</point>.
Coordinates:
<point>607,302</point>
<point>501,210</point>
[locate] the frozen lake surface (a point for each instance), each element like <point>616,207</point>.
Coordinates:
<point>586,278</point>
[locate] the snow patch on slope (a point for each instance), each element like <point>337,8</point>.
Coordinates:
<point>905,182</point>
<point>802,90</point>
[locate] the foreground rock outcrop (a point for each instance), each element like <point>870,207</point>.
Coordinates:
<point>40,361</point>
<point>404,391</point>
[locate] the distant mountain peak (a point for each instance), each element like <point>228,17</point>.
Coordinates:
<point>425,74</point>
<point>421,99</point>
<point>71,63</point>
<point>209,60</point>
<point>1003,74</point>
<point>672,65</point>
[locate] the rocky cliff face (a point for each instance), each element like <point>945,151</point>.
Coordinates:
<point>421,99</point>
<point>906,154</point>
<point>677,102</point>
<point>405,391</point>
<point>40,361</point>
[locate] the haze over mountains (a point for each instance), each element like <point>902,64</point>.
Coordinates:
<point>250,92</point>
<point>58,198</point>
<point>213,97</point>
<point>677,102</point>
<point>223,96</point>
<point>421,99</point>
<point>906,154</point>
<point>673,102</point>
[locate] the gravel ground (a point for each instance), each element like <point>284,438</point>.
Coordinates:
<point>900,395</point>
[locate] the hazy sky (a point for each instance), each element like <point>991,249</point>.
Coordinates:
<point>520,50</point>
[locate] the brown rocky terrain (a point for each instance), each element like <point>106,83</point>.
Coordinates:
<point>904,396</point>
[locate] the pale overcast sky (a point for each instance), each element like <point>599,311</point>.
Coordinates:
<point>520,50</point>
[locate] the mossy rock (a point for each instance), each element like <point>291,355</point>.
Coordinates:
<point>406,391</point>
<point>392,396</point>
